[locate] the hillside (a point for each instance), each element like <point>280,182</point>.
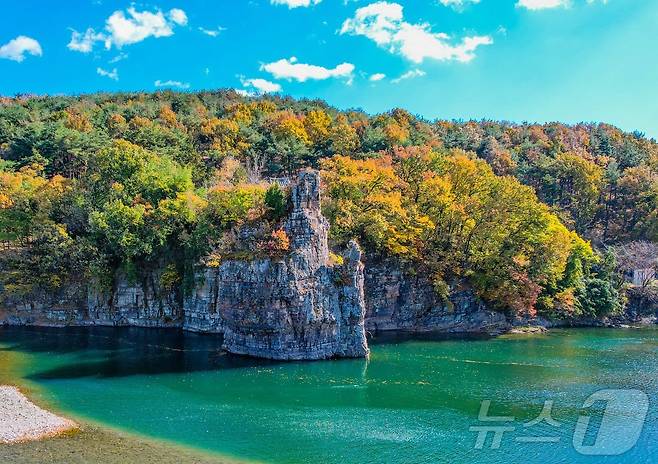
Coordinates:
<point>102,182</point>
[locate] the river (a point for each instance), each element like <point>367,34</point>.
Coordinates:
<point>414,401</point>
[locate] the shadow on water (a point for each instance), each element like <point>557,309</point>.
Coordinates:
<point>398,337</point>
<point>124,351</point>
<point>107,352</point>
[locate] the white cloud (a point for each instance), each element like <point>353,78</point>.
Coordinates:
<point>244,93</point>
<point>295,3</point>
<point>114,75</point>
<point>542,4</point>
<point>377,21</point>
<point>17,48</point>
<point>261,85</point>
<point>409,75</point>
<point>457,4</point>
<point>137,26</point>
<point>177,16</point>
<point>120,57</point>
<point>548,4</point>
<point>170,83</point>
<point>292,70</point>
<point>212,32</point>
<point>83,42</point>
<point>377,77</point>
<point>383,23</point>
<point>129,28</point>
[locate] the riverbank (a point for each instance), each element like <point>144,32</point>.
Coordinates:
<point>30,434</point>
<point>21,420</point>
<point>97,444</point>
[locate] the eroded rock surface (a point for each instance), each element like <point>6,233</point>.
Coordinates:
<point>298,306</point>
<point>399,299</point>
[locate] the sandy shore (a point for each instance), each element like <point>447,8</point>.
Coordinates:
<point>23,424</point>
<point>21,420</point>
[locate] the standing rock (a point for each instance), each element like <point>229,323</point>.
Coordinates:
<point>298,307</point>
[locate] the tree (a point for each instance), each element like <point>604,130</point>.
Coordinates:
<point>276,201</point>
<point>465,223</point>
<point>343,138</point>
<point>317,124</point>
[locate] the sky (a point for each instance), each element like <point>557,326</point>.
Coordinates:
<point>516,60</point>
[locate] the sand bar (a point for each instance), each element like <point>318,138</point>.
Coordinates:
<point>21,420</point>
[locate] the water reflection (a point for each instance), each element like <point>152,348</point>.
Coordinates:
<point>118,352</point>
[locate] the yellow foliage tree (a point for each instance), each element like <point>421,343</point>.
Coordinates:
<point>317,124</point>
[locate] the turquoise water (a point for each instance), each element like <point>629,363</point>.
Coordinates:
<point>414,401</point>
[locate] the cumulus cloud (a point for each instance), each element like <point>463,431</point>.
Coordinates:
<point>542,4</point>
<point>409,75</point>
<point>383,23</point>
<point>548,4</point>
<point>137,26</point>
<point>83,42</point>
<point>295,3</point>
<point>127,28</point>
<point>177,16</point>
<point>261,85</point>
<point>290,69</point>
<point>17,48</point>
<point>377,77</point>
<point>114,75</point>
<point>170,83</point>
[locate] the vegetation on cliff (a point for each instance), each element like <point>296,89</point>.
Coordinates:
<point>136,181</point>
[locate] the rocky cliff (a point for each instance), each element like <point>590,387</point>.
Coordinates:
<point>397,298</point>
<point>298,306</point>
<point>294,307</point>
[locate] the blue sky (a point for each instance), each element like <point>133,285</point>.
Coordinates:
<point>519,60</point>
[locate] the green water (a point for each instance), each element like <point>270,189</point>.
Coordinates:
<point>412,402</point>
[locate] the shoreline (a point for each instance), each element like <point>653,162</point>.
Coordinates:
<point>29,432</point>
<point>492,330</point>
<point>22,421</point>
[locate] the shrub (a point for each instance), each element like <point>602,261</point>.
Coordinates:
<point>275,201</point>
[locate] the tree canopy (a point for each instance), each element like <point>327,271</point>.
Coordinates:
<point>135,181</point>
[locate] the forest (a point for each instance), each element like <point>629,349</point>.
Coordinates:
<point>538,219</point>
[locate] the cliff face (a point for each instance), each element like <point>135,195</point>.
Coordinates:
<point>294,307</point>
<point>143,304</point>
<point>297,307</point>
<point>397,299</point>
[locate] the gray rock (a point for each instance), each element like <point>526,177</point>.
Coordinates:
<point>399,299</point>
<point>298,306</point>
